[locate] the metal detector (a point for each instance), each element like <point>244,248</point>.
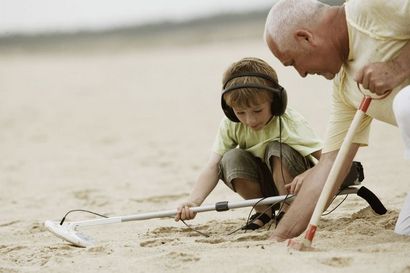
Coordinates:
<point>68,231</point>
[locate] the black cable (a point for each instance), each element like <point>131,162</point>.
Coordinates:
<point>281,171</point>
<point>332,210</point>
<point>247,221</point>
<point>283,178</point>
<point>82,210</point>
<point>193,229</point>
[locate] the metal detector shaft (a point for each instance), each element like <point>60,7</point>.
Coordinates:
<point>219,206</point>
<point>334,171</point>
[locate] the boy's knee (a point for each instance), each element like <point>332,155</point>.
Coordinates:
<point>286,155</point>
<point>238,164</point>
<point>275,148</point>
<point>233,157</point>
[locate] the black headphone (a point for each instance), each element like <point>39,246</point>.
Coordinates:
<point>279,100</point>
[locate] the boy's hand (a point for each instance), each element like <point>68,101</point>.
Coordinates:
<point>294,186</point>
<point>184,213</point>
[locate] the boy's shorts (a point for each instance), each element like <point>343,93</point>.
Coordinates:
<point>238,163</point>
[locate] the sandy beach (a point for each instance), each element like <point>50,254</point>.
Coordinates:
<point>126,131</point>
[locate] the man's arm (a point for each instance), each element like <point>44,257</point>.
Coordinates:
<point>381,77</point>
<point>298,216</point>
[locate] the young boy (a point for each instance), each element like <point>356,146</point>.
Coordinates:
<point>261,145</point>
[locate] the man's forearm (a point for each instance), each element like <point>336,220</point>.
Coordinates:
<point>298,216</point>
<point>381,77</point>
<point>402,61</point>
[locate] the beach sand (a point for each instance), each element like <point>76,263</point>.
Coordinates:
<point>126,131</point>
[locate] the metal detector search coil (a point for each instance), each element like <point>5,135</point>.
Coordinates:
<point>68,232</point>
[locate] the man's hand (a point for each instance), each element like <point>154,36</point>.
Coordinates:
<point>380,77</point>
<point>299,245</point>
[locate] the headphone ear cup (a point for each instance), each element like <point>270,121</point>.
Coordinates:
<point>229,113</point>
<point>279,102</point>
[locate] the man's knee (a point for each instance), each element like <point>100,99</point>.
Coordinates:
<point>401,105</point>
<point>401,111</point>
<point>403,222</point>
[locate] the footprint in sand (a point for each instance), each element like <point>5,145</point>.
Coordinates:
<point>4,249</point>
<point>23,255</point>
<point>8,270</point>
<point>100,250</point>
<point>254,237</point>
<point>211,241</point>
<point>9,223</point>
<point>165,230</point>
<point>182,257</point>
<point>161,198</point>
<point>337,261</point>
<point>158,242</point>
<point>84,194</point>
<point>90,198</point>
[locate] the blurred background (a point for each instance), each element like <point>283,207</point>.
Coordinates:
<point>48,22</point>
<point>95,91</point>
<point>99,94</point>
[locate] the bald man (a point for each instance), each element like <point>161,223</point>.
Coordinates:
<point>363,42</point>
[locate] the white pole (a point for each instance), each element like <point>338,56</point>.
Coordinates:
<point>334,172</point>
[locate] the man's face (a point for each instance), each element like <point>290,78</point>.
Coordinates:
<point>308,59</point>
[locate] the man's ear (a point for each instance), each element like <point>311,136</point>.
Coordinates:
<point>304,36</point>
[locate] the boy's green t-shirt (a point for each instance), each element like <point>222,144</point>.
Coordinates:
<point>296,133</point>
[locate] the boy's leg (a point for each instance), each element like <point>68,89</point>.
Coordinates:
<point>242,172</point>
<point>285,163</point>
<point>293,164</point>
<point>401,109</point>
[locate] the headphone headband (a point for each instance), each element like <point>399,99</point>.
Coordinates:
<point>254,74</point>
<point>240,86</point>
<point>279,102</point>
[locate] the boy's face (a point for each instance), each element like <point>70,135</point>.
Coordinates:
<point>255,116</point>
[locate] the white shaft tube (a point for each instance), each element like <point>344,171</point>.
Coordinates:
<point>172,213</point>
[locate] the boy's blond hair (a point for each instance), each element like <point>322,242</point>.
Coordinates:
<point>247,97</point>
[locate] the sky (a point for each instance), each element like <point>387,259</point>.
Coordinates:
<point>37,16</point>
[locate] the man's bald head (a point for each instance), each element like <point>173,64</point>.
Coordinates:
<point>286,16</point>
